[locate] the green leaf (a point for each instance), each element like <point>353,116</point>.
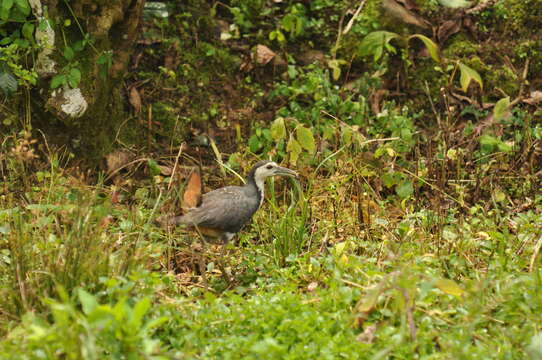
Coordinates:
<point>454,3</point>
<point>28,30</point>
<point>278,129</point>
<point>4,9</point>
<point>467,75</point>
<point>334,65</point>
<point>8,82</point>
<point>449,287</point>
<point>88,301</point>
<point>23,6</point>
<point>58,80</point>
<point>431,46</point>
<point>153,167</point>
<point>140,309</point>
<point>74,77</point>
<point>404,189</point>
<point>500,111</point>
<point>294,149</point>
<point>69,53</point>
<point>254,143</point>
<point>305,138</point>
<point>375,42</point>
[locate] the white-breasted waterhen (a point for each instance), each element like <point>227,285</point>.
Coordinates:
<point>223,212</point>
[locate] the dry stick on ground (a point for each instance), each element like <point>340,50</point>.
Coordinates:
<point>535,254</point>
<point>176,163</point>
<point>409,313</point>
<point>341,32</point>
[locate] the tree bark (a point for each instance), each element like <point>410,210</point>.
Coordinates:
<point>87,118</point>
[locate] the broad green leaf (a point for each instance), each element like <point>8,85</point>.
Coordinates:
<point>254,144</point>
<point>454,3</point>
<point>74,77</point>
<point>305,138</point>
<point>431,46</point>
<point>374,43</point>
<point>4,9</point>
<point>467,75</point>
<point>339,248</point>
<point>8,83</point>
<point>58,80</point>
<point>28,30</point>
<point>404,189</point>
<point>334,65</point>
<point>140,309</point>
<point>69,53</point>
<point>88,301</point>
<point>294,149</point>
<point>278,129</point>
<point>449,287</point>
<point>500,111</point>
<point>156,322</point>
<point>23,6</point>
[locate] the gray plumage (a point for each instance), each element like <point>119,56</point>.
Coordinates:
<point>227,209</point>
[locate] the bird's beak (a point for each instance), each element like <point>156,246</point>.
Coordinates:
<point>282,171</point>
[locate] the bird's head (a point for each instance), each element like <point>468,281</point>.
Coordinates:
<point>265,169</point>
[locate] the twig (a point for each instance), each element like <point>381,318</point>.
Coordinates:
<point>356,14</point>
<point>480,7</point>
<point>535,254</point>
<point>176,163</point>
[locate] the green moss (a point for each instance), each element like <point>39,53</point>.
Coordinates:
<point>460,47</point>
<point>518,18</point>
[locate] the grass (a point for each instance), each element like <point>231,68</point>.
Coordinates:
<point>87,277</point>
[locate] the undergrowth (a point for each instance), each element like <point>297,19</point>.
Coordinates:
<point>414,231</point>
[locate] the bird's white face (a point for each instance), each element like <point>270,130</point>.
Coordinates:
<point>271,169</point>
<point>266,170</point>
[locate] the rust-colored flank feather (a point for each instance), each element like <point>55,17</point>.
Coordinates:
<point>192,192</point>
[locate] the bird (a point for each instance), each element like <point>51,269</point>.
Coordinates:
<point>222,213</point>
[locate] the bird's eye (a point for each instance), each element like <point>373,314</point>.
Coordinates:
<point>269,167</point>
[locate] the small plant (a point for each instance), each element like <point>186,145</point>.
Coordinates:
<point>17,43</point>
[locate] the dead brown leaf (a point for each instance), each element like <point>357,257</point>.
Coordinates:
<point>263,54</point>
<point>312,286</point>
<point>368,335</point>
<point>399,11</point>
<point>409,4</point>
<point>447,29</point>
<point>135,99</point>
<point>534,97</point>
<point>376,98</point>
<point>117,160</point>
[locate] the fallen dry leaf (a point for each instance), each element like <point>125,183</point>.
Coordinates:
<point>368,335</point>
<point>447,29</point>
<point>135,99</point>
<point>376,98</point>
<point>399,11</point>
<point>534,97</point>
<point>312,286</point>
<point>117,159</point>
<point>263,54</point>
<point>409,4</point>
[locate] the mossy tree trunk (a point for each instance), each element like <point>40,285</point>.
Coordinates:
<point>100,34</point>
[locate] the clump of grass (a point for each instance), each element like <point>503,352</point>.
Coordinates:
<point>64,234</point>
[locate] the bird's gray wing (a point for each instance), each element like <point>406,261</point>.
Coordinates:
<point>226,209</point>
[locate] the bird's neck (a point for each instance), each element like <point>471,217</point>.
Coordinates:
<point>259,185</point>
